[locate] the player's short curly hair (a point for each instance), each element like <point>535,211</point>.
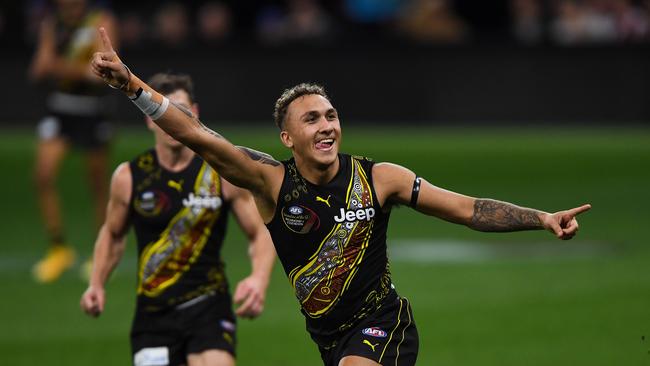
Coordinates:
<point>167,83</point>
<point>291,94</point>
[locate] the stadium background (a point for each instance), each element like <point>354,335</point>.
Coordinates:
<point>544,104</point>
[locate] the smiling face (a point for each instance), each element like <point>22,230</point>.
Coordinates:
<point>312,131</point>
<point>180,97</point>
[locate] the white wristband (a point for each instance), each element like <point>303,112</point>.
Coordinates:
<point>160,111</point>
<point>152,109</point>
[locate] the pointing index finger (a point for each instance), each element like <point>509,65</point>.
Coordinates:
<point>578,210</point>
<point>108,47</point>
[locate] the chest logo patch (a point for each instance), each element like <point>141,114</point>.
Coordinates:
<point>151,203</point>
<point>300,219</point>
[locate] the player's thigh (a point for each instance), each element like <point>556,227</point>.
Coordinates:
<point>357,361</point>
<point>97,161</point>
<point>211,357</point>
<point>49,154</point>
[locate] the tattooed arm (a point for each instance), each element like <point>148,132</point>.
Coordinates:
<point>246,168</point>
<point>492,215</point>
<point>394,185</point>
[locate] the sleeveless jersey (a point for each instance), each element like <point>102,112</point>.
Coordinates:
<point>331,240</point>
<point>179,221</point>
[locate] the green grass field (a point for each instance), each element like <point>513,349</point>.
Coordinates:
<point>478,299</point>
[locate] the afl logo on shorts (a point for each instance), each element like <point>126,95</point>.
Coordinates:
<point>151,203</point>
<point>374,332</point>
<point>300,219</point>
<point>227,325</point>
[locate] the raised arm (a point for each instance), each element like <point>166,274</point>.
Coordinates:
<point>110,242</point>
<point>396,185</point>
<point>250,293</point>
<point>241,166</point>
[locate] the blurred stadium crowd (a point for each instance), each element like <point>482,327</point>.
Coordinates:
<point>177,24</point>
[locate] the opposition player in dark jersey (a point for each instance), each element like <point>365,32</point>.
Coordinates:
<point>75,118</point>
<point>178,206</point>
<point>328,214</point>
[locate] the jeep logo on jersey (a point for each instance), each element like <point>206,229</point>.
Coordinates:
<point>212,202</point>
<point>356,215</point>
<point>374,332</point>
<point>300,219</point>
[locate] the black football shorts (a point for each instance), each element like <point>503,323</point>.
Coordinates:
<point>388,337</point>
<point>167,337</point>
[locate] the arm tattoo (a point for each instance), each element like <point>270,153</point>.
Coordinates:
<point>255,155</point>
<point>491,215</point>
<point>193,117</point>
<point>183,109</point>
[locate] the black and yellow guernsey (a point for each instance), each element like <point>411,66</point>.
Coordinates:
<point>331,240</point>
<point>77,43</point>
<point>180,221</point>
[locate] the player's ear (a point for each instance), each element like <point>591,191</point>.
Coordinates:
<point>195,109</point>
<point>286,139</point>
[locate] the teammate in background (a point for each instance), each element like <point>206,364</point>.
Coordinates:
<point>179,207</point>
<point>328,214</point>
<point>75,118</point>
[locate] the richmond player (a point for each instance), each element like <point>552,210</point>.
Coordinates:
<point>75,118</point>
<point>328,213</point>
<point>178,206</point>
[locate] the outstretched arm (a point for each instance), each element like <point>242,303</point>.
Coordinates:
<point>111,241</point>
<point>394,185</point>
<point>243,167</point>
<point>251,291</point>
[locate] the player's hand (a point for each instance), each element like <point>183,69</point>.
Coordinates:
<point>107,65</point>
<point>563,223</point>
<point>92,301</point>
<point>250,295</point>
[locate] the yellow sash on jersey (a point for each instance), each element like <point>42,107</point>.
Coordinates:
<point>164,261</point>
<point>321,283</point>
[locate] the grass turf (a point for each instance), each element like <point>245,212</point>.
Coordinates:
<point>536,310</point>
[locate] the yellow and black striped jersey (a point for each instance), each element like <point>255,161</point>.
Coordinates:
<point>180,220</point>
<point>331,240</point>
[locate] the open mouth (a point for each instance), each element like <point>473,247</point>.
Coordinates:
<point>325,144</point>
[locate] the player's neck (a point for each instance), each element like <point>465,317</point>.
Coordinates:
<point>316,173</point>
<point>174,159</point>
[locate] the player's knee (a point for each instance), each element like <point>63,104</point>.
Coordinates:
<point>98,184</point>
<point>44,179</point>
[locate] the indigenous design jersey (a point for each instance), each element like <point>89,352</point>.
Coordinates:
<point>180,222</point>
<point>331,240</point>
<point>77,43</point>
